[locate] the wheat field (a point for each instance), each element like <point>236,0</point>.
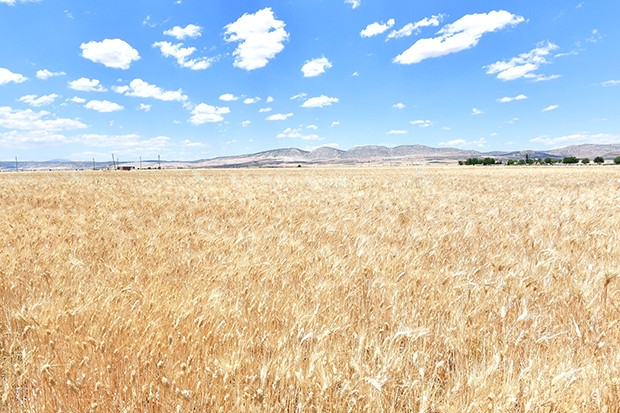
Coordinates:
<point>417,289</point>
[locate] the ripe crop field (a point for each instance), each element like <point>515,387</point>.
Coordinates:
<point>419,289</point>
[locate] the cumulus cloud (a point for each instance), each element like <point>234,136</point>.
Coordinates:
<point>84,84</point>
<point>6,76</point>
<point>246,123</point>
<point>610,83</point>
<point>507,99</point>
<point>180,33</point>
<point>399,106</point>
<point>524,65</point>
<point>376,28</point>
<point>249,101</point>
<point>182,54</point>
<point>458,143</point>
<point>29,120</point>
<point>141,89</point>
<point>34,100</point>
<point>123,141</point>
<point>315,67</point>
<point>204,113</point>
<point>144,107</point>
<point>46,74</point>
<point>550,108</point>
<point>114,53</point>
<point>463,34</point>
<point>103,106</point>
<point>411,28</point>
<point>319,102</point>
<point>290,133</point>
<point>264,110</point>
<point>421,123</point>
<point>279,116</point>
<point>260,36</point>
<point>269,99</point>
<point>354,3</point>
<point>76,99</point>
<point>475,112</point>
<point>578,139</point>
<point>397,132</point>
<point>228,97</point>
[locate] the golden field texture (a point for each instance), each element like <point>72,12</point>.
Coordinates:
<point>421,289</point>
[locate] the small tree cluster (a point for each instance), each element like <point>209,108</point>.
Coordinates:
<point>617,160</point>
<point>480,161</point>
<point>570,159</point>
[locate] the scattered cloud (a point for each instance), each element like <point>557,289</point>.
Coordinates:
<point>374,29</point>
<point>610,83</point>
<point>475,112</point>
<point>84,84</point>
<point>421,123</point>
<point>319,102</point>
<point>507,99</point>
<point>204,113</point>
<point>46,74</point>
<point>182,55</point>
<point>459,143</point>
<point>551,107</point>
<point>121,142</point>
<point>228,97</point>
<point>114,53</point>
<point>313,127</point>
<point>299,96</point>
<point>463,34</point>
<point>6,76</point>
<point>144,107</point>
<point>246,123</point>
<point>334,123</point>
<point>264,110</point>
<point>291,133</point>
<point>141,89</point>
<point>103,106</point>
<point>524,65</point>
<point>355,74</point>
<point>354,3</point>
<point>34,100</point>
<point>399,106</point>
<point>578,139</point>
<point>397,132</point>
<point>411,28</point>
<point>180,33</point>
<point>261,37</point>
<point>76,99</point>
<point>29,120</point>
<point>250,101</point>
<point>269,99</point>
<point>315,67</point>
<point>279,116</point>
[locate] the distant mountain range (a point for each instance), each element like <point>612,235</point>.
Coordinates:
<point>325,156</point>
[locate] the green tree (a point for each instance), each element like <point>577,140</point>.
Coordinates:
<point>549,161</point>
<point>617,160</point>
<point>585,161</point>
<point>521,162</point>
<point>570,159</point>
<point>599,160</point>
<point>511,162</point>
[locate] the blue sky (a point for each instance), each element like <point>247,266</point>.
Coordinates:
<point>190,79</point>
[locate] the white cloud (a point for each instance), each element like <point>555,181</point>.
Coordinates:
<point>507,99</point>
<point>46,74</point>
<point>182,55</point>
<point>315,67</point>
<point>335,123</point>
<point>103,106</point>
<point>279,116</point>
<point>354,3</point>
<point>12,2</point>
<point>269,99</point>
<point>264,110</point>
<point>524,65</point>
<point>297,134</point>
<point>458,143</point>
<point>204,113</point>
<point>33,100</point>
<point>463,34</point>
<point>551,107</point>
<point>578,139</point>
<point>76,99</point>
<point>299,96</point>
<point>246,123</point>
<point>411,28</point>
<point>261,38</point>
<point>144,107</point>
<point>319,102</point>
<point>250,101</point>
<point>228,97</point>
<point>124,141</point>
<point>180,33</point>
<point>610,83</point>
<point>355,74</point>
<point>6,76</point>
<point>28,120</point>
<point>397,132</point>
<point>399,106</point>
<point>421,123</point>
<point>475,112</point>
<point>141,89</point>
<point>84,84</point>
<point>114,53</point>
<point>376,28</point>
<point>313,127</point>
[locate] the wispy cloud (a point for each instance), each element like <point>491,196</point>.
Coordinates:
<point>279,116</point>
<point>421,123</point>
<point>459,143</point>
<point>411,28</point>
<point>374,29</point>
<point>319,102</point>
<point>397,132</point>
<point>476,112</point>
<point>507,99</point>
<point>550,108</point>
<point>578,139</point>
<point>524,65</point>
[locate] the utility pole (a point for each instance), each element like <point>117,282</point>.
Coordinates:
<point>113,163</point>
<point>16,166</point>
<point>140,163</point>
<point>94,164</point>
<point>159,160</point>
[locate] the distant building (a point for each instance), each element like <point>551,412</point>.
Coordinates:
<point>126,168</point>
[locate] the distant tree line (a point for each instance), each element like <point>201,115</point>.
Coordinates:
<point>536,161</point>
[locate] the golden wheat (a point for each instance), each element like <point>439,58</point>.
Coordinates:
<point>415,289</point>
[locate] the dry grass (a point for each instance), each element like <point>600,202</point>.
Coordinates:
<point>417,289</point>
